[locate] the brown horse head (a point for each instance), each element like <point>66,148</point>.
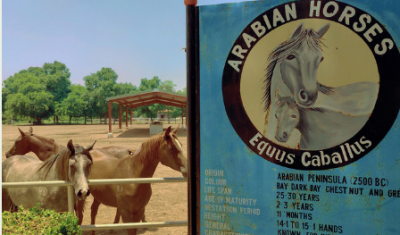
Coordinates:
<point>171,152</point>
<point>44,148</point>
<point>20,146</point>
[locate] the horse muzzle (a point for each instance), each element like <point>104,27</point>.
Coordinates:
<point>83,193</point>
<point>306,98</point>
<point>282,138</point>
<point>184,171</point>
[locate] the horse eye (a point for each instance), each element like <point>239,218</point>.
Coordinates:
<point>293,116</point>
<point>322,59</point>
<point>290,57</point>
<point>276,116</point>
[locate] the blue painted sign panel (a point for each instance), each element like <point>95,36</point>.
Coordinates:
<point>299,115</point>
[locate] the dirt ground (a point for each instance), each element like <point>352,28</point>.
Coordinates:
<point>168,202</point>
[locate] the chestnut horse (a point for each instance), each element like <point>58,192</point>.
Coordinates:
<point>131,199</point>
<point>44,148</point>
<point>72,164</point>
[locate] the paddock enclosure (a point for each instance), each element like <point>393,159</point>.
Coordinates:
<point>169,200</point>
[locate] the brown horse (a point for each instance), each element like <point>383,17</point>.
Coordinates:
<point>131,199</point>
<point>44,148</point>
<point>73,164</point>
<point>28,142</point>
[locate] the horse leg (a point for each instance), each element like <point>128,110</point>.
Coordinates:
<point>93,212</point>
<point>80,204</point>
<point>117,215</point>
<point>129,217</point>
<point>144,217</point>
<point>7,203</point>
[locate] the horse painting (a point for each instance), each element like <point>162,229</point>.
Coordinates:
<point>131,199</point>
<point>292,67</point>
<point>45,148</point>
<point>292,71</point>
<point>319,128</point>
<point>73,164</point>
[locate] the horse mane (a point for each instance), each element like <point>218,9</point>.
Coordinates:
<point>61,161</point>
<point>285,49</point>
<point>149,149</point>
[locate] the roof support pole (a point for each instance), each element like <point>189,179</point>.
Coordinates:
<point>109,117</point>
<point>119,116</point>
<point>131,116</point>
<point>182,115</point>
<point>126,116</point>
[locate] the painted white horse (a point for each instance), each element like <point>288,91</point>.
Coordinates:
<point>292,72</point>
<point>72,164</point>
<point>319,128</point>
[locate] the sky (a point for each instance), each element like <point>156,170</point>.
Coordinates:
<point>136,38</point>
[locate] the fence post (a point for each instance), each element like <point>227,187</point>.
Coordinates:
<point>70,198</point>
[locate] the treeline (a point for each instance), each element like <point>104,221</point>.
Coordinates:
<point>41,93</point>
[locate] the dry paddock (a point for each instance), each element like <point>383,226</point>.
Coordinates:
<point>169,200</point>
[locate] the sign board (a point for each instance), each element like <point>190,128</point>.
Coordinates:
<point>298,118</point>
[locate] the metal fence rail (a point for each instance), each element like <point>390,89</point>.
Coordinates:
<point>102,182</point>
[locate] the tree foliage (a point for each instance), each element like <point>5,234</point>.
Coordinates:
<point>28,96</point>
<point>42,92</point>
<point>74,105</point>
<point>100,85</point>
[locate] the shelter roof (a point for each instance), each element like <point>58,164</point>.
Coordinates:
<point>149,97</point>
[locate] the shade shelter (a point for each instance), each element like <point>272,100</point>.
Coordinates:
<point>144,98</point>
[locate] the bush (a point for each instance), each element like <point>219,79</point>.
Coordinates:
<point>39,221</point>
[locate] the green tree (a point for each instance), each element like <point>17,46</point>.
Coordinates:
<point>28,96</point>
<point>124,88</point>
<point>4,93</point>
<point>151,84</point>
<point>100,85</point>
<point>147,85</point>
<point>74,105</point>
<point>167,85</point>
<point>51,80</point>
<point>57,80</point>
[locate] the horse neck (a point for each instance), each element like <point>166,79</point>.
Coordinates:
<point>47,148</point>
<point>145,162</point>
<point>278,86</point>
<point>314,123</point>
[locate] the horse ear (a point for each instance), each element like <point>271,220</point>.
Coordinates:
<point>321,31</point>
<point>22,133</point>
<point>91,146</point>
<point>71,147</point>
<point>297,31</point>
<point>30,130</point>
<point>167,132</point>
<point>175,130</point>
